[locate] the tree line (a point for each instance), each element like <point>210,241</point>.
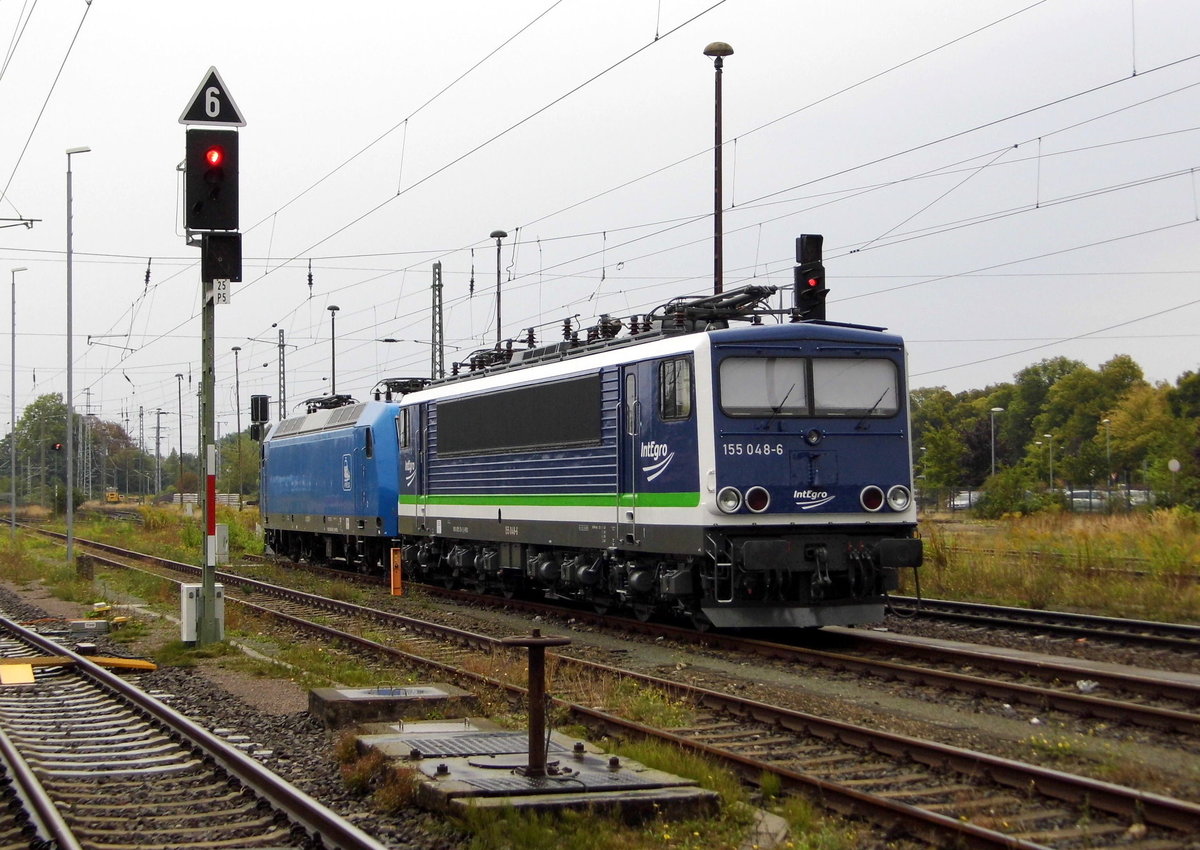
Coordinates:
<point>1057,427</point>
<point>106,456</point>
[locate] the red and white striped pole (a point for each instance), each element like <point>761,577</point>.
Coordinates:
<point>210,510</point>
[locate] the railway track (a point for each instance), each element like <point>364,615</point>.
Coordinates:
<point>97,763</point>
<point>940,793</point>
<point>1161,701</point>
<point>1173,636</point>
<point>932,790</point>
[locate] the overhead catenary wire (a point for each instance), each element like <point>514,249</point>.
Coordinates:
<point>604,263</point>
<point>42,111</point>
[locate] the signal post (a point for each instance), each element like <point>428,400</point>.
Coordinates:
<point>210,217</point>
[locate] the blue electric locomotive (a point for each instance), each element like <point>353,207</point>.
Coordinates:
<point>329,484</point>
<point>743,476</point>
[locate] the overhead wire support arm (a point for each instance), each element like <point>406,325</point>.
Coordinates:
<point>17,222</point>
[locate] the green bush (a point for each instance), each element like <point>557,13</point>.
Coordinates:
<point>1008,492</point>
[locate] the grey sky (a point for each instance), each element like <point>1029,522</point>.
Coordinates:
<point>993,180</point>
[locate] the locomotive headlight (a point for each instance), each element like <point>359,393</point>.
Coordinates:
<point>899,497</point>
<point>758,499</point>
<point>871,498</point>
<point>729,499</point>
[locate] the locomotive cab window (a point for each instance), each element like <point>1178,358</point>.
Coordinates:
<point>370,441</point>
<point>402,427</point>
<point>764,386</point>
<point>802,386</point>
<point>845,387</point>
<point>675,388</point>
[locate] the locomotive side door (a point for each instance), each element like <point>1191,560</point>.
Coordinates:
<point>421,449</point>
<point>412,467</point>
<point>366,456</point>
<point>630,415</point>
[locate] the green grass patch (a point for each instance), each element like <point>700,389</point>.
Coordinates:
<point>179,654</point>
<point>1080,562</point>
<point>669,758</point>
<point>586,831</point>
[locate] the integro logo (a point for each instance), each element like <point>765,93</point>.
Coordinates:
<point>806,500</point>
<point>410,471</point>
<point>660,455</point>
<point>654,451</point>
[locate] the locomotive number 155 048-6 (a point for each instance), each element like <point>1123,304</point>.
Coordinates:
<point>752,448</point>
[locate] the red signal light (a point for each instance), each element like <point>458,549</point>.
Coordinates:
<point>214,156</point>
<point>812,281</point>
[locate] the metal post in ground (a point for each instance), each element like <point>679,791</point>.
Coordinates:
<point>537,695</point>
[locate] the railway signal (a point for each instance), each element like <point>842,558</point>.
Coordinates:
<point>211,207</point>
<point>211,182</point>
<point>221,257</point>
<point>810,288</point>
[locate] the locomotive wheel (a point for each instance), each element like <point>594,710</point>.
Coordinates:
<point>644,610</point>
<point>477,584</point>
<point>601,605</point>
<point>700,621</point>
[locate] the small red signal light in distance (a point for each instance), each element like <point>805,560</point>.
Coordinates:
<point>812,281</point>
<point>214,156</point>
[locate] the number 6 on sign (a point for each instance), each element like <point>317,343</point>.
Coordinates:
<point>221,291</point>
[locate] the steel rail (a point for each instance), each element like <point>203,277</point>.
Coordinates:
<point>40,807</point>
<point>1126,802</point>
<point>1149,632</point>
<point>1086,705</point>
<point>1076,703</point>
<point>928,825</point>
<point>302,809</point>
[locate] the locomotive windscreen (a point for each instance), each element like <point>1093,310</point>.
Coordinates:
<point>562,413</point>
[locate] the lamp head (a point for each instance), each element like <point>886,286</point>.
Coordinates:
<point>19,269</point>
<point>333,308</point>
<point>498,234</point>
<point>78,150</point>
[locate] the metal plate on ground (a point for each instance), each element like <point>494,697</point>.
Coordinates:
<point>476,744</point>
<point>481,766</point>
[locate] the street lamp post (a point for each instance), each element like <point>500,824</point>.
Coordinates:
<point>993,412</point>
<point>498,235</point>
<point>1107,462</point>
<point>1050,440</point>
<point>179,402</point>
<point>70,371</point>
<point>333,308</point>
<point>237,392</point>
<point>12,437</point>
<point>718,50</point>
